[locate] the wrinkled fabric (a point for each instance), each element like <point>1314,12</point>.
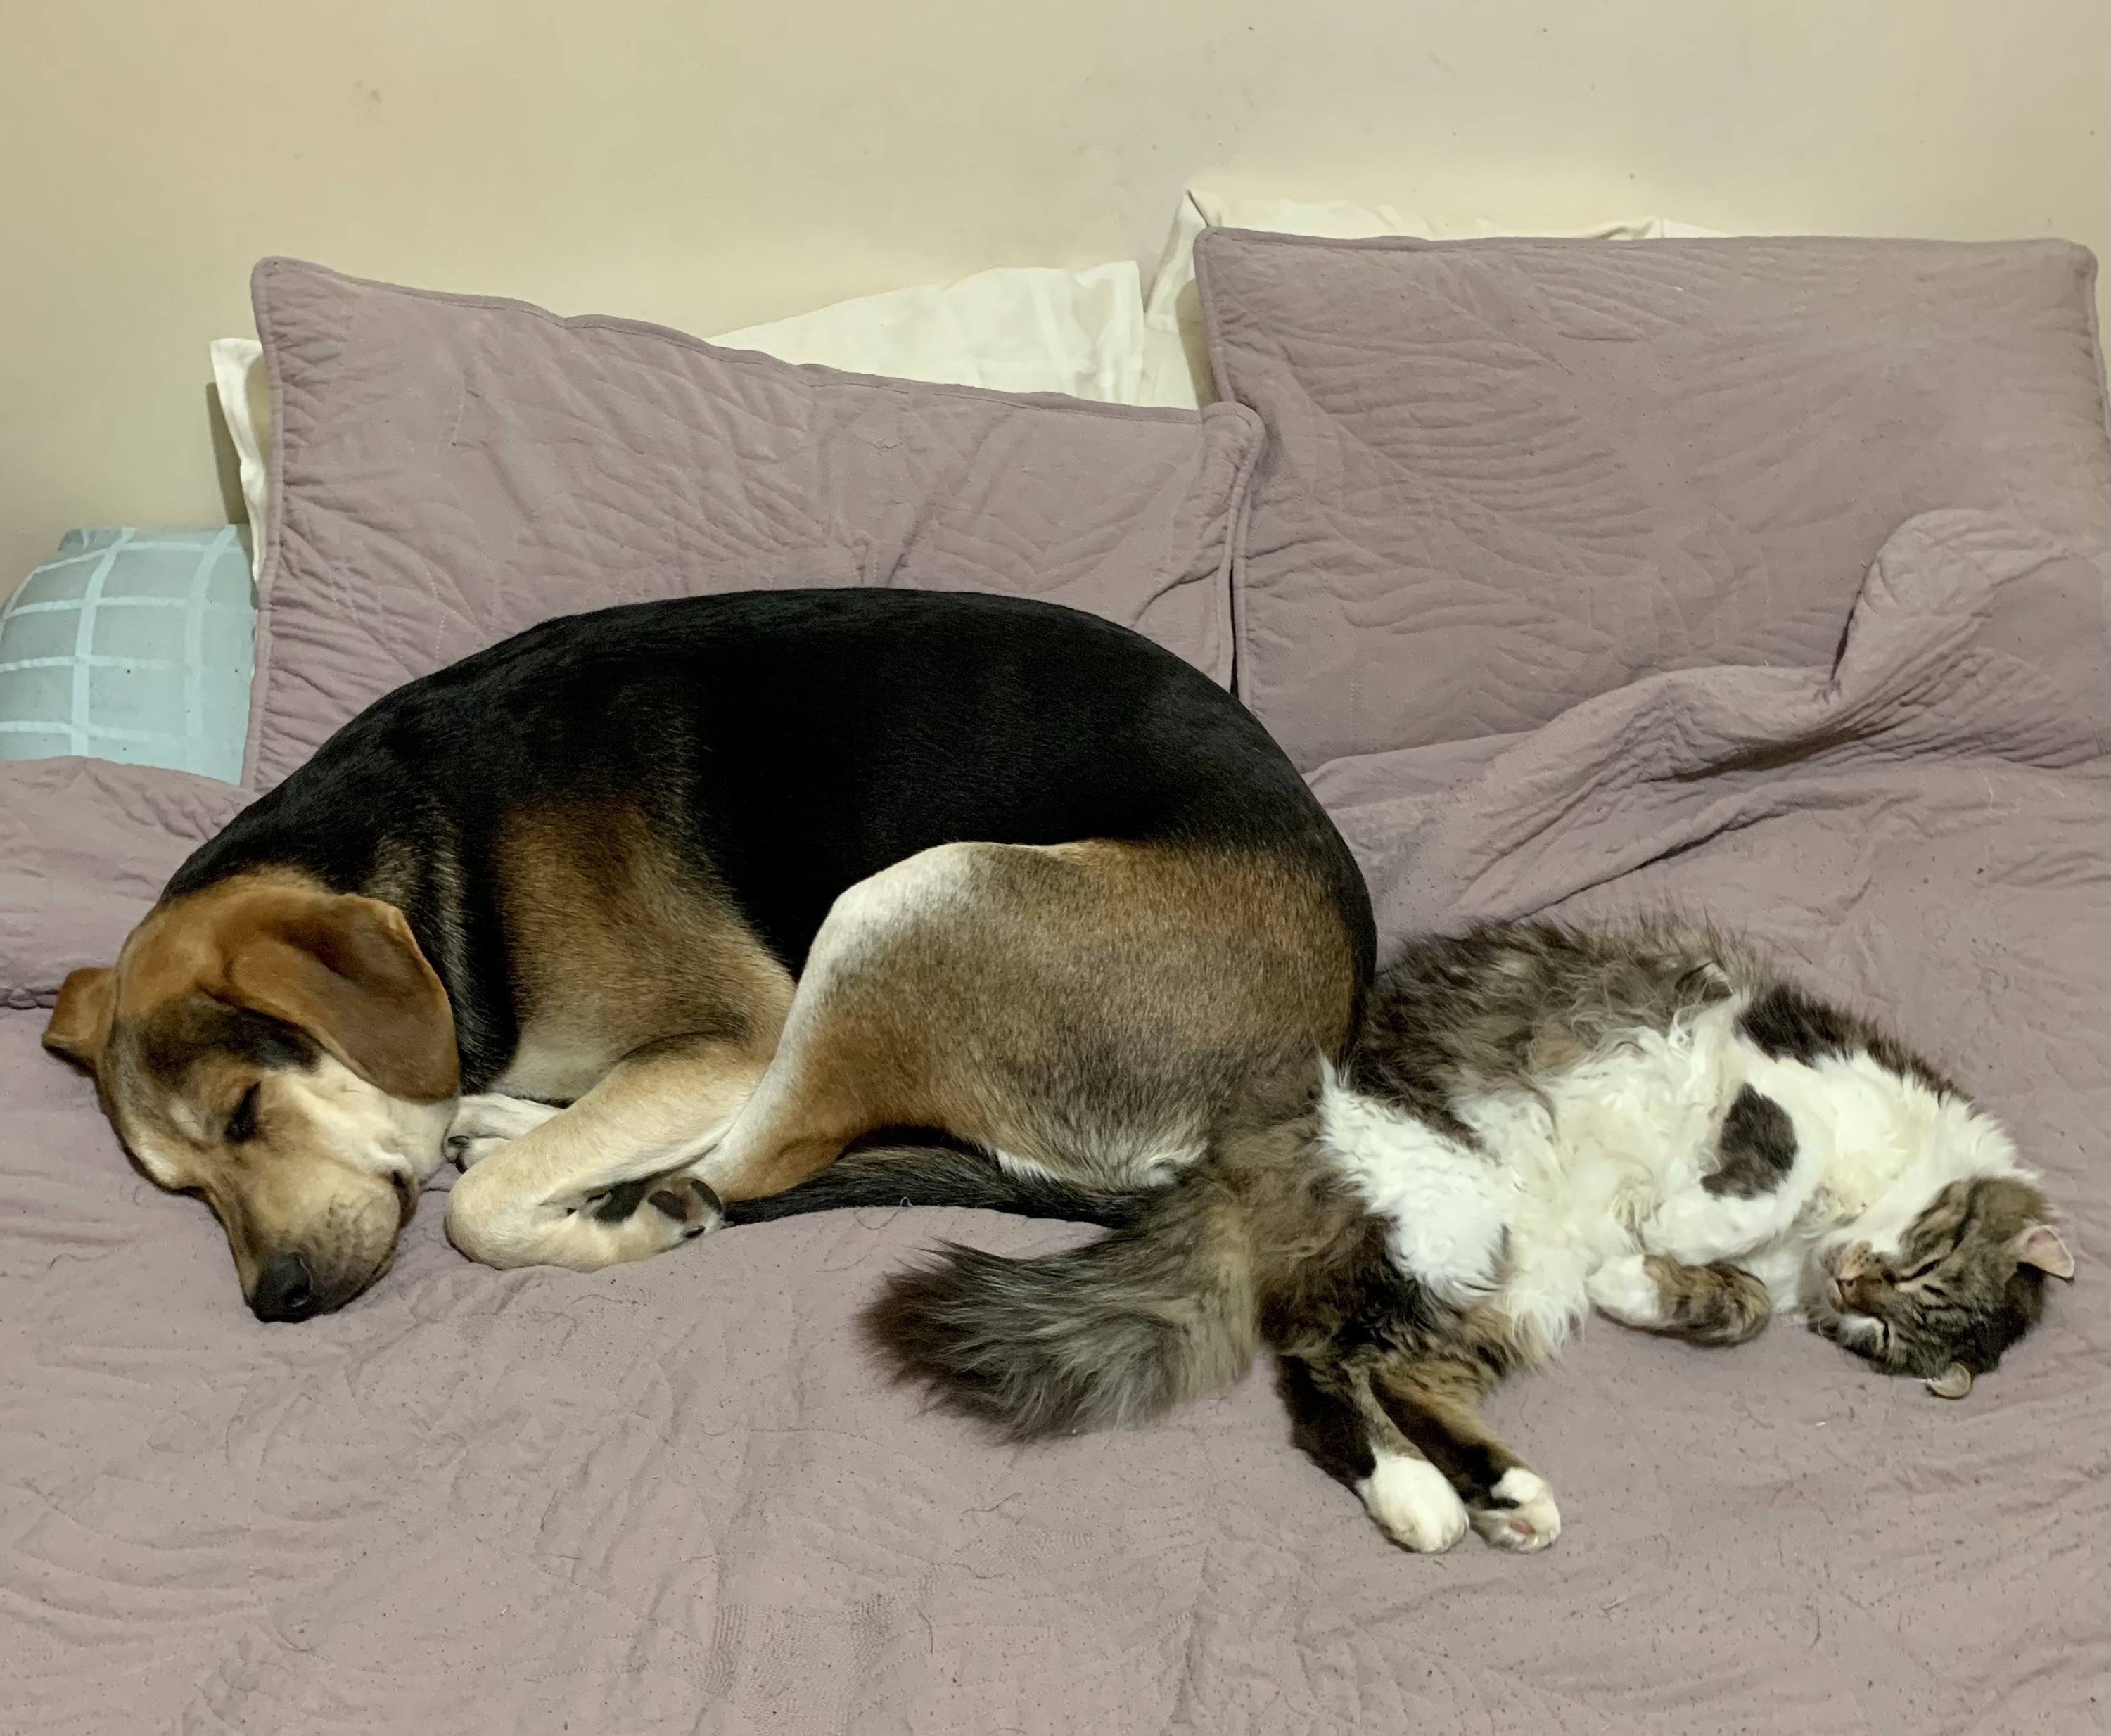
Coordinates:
<point>679,1496</point>
<point>1503,477</point>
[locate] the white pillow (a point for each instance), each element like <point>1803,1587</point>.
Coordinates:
<point>244,386</point>
<point>1176,365</point>
<point>1015,328</point>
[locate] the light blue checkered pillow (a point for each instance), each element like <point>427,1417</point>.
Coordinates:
<point>132,645</point>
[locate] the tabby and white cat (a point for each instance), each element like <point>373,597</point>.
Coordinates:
<point>1535,1120</point>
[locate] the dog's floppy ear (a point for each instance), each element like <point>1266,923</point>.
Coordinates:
<point>347,972</point>
<point>80,1023</point>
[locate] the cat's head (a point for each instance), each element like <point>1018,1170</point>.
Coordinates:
<point>1942,1297</point>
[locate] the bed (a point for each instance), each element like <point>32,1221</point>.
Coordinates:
<point>1765,580</point>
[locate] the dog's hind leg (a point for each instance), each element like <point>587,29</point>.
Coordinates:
<point>1085,1009</point>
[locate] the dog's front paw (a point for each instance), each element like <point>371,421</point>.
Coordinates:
<point>1522,1516</point>
<point>633,1220</point>
<point>483,1125</point>
<point>1412,1503</point>
<point>1626,1290</point>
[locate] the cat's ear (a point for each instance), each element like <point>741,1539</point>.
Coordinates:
<point>1953,1382</point>
<point>2041,1245</point>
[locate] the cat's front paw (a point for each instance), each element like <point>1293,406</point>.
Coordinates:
<point>1697,1228</point>
<point>1626,1290</point>
<point>1413,1504</point>
<point>1521,1516</point>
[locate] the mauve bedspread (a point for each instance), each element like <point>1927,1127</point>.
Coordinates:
<point>677,1497</point>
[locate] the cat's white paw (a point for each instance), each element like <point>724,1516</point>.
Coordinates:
<point>1530,1521</point>
<point>1623,1289</point>
<point>482,1125</point>
<point>1413,1504</point>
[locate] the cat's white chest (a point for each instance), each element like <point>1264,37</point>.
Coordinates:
<point>1563,1177</point>
<point>1635,1123</point>
<point>1611,1138</point>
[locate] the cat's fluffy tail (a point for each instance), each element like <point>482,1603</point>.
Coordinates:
<point>1160,1311</point>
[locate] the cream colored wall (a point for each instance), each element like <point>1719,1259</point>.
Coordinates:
<point>713,164</point>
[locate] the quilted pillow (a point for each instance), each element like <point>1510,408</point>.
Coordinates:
<point>449,469</point>
<point>1505,476</point>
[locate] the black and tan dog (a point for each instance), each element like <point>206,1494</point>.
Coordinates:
<point>650,910</point>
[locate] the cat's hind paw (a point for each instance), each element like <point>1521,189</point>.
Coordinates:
<point>1413,1504</point>
<point>1522,1516</point>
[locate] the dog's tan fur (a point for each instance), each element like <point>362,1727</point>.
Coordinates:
<point>617,945</point>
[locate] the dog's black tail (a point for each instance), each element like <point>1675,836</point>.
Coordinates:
<point>937,1176</point>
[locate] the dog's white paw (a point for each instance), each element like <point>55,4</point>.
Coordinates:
<point>482,1125</point>
<point>1413,1504</point>
<point>1528,1519</point>
<point>1623,1289</point>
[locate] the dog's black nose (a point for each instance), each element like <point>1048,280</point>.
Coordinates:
<point>285,1290</point>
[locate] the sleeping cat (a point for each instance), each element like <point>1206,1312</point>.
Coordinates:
<point>1534,1120</point>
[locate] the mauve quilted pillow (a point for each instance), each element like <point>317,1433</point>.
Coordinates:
<point>452,469</point>
<point>1505,476</point>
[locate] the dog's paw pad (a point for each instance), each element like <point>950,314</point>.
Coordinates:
<point>1522,1517</point>
<point>1413,1504</point>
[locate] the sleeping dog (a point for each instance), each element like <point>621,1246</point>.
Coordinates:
<point>649,913</point>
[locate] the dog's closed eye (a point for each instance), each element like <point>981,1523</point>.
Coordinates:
<point>242,1125</point>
